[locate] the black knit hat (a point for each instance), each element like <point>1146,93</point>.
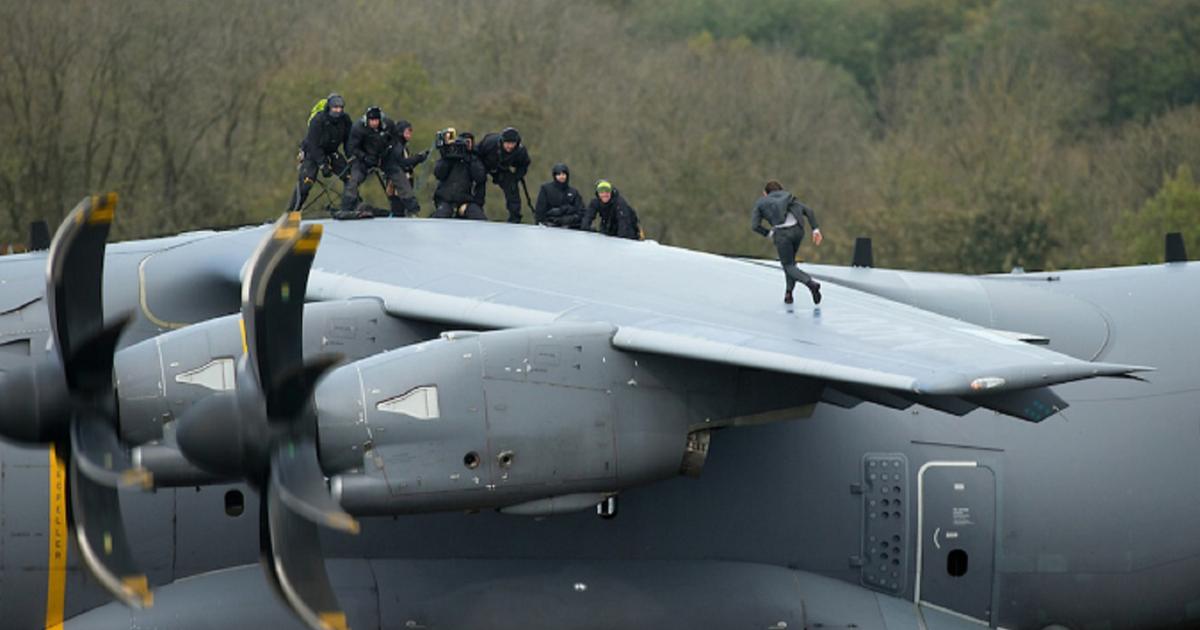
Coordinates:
<point>510,134</point>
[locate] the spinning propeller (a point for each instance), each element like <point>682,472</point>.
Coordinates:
<point>99,463</point>
<point>265,430</point>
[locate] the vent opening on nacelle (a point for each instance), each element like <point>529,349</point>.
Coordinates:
<point>419,402</point>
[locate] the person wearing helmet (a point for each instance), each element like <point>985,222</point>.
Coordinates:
<point>370,147</point>
<point>558,203</point>
<point>785,214</point>
<point>617,218</point>
<point>328,129</point>
<point>507,161</point>
<point>461,178</point>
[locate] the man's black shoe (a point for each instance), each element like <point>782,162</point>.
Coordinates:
<point>815,288</point>
<point>787,297</point>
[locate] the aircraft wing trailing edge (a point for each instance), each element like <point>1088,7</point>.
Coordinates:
<point>1004,378</point>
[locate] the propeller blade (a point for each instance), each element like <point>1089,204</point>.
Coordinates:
<point>74,274</point>
<point>291,555</point>
<point>273,294</point>
<point>301,383</point>
<point>296,471</point>
<point>100,533</point>
<point>92,362</point>
<point>101,457</point>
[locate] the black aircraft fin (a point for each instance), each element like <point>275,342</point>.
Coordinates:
<point>863,256</point>
<point>1174,250</point>
<point>39,236</point>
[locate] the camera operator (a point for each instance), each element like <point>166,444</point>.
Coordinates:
<point>506,161</point>
<point>460,176</point>
<point>370,146</point>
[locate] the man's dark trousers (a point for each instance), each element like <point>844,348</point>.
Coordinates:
<point>787,243</point>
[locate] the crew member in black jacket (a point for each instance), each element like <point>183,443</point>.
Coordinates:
<point>617,218</point>
<point>785,214</point>
<point>327,130</point>
<point>407,162</point>
<point>460,175</point>
<point>370,146</point>
<point>507,161</point>
<point>558,203</point>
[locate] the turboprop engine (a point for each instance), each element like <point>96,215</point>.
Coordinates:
<point>497,420</point>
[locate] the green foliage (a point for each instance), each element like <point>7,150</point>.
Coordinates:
<point>962,134</point>
<point>1176,208</point>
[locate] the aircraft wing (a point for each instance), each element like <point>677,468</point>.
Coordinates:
<point>953,368</point>
<point>864,347</point>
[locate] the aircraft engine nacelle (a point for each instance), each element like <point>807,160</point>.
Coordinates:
<point>498,419</point>
<point>160,378</point>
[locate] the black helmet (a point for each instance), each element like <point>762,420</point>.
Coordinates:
<point>560,168</point>
<point>373,112</point>
<point>510,134</point>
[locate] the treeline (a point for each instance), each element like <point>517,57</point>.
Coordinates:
<point>961,134</point>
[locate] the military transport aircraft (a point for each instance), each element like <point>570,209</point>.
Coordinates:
<point>458,424</point>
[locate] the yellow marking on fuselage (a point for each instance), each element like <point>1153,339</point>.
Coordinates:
<point>144,300</point>
<point>56,564</point>
<point>242,327</point>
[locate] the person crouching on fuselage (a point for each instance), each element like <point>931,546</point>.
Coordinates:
<point>558,203</point>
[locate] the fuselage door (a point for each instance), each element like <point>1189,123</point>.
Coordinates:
<point>956,544</point>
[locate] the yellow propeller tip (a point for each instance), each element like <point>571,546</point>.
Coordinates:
<point>138,586</point>
<point>333,620</point>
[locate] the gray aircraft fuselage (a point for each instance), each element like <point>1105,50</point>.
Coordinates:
<point>1086,519</point>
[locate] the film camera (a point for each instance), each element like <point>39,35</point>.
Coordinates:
<point>450,145</point>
